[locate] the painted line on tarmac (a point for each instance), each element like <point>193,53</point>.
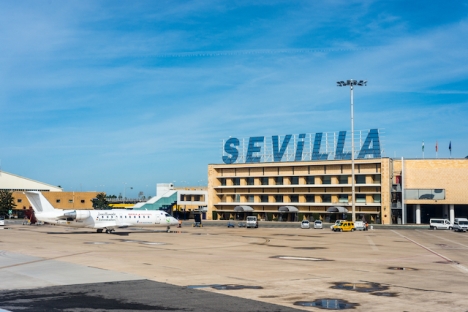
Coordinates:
<point>424,247</point>
<point>372,244</point>
<point>456,265</point>
<point>460,267</point>
<point>449,240</point>
<point>43,260</point>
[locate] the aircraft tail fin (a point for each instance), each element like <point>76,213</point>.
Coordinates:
<point>38,202</point>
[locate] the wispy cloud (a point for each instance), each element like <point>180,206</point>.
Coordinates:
<point>149,90</point>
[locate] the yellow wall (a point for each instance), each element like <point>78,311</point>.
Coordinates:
<point>448,174</point>
<point>68,200</point>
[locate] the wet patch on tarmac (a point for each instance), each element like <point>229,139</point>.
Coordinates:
<point>203,234</point>
<point>402,269</point>
<point>97,243</point>
<point>375,289</point>
<point>224,286</point>
<point>384,294</point>
<point>298,258</point>
<point>310,248</point>
<point>266,297</point>
<point>328,304</point>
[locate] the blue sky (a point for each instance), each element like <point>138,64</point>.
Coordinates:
<point>108,95</point>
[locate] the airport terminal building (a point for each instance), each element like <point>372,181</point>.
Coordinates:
<point>308,176</point>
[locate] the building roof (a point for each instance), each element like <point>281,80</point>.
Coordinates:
<point>13,182</point>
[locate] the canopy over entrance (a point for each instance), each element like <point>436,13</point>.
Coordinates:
<point>288,209</point>
<point>243,209</point>
<point>337,209</point>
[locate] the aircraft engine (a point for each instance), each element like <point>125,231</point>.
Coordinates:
<point>77,214</point>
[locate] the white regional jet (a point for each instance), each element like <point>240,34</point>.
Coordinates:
<point>101,220</point>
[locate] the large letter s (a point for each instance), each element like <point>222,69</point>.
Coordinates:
<point>230,148</point>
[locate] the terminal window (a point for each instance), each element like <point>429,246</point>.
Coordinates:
<point>343,179</point>
<point>343,198</point>
<point>294,180</point>
<point>279,198</point>
<point>360,198</point>
<point>236,181</point>
<point>250,181</point>
<point>310,180</point>
<point>326,180</point>
<point>264,198</point>
<point>279,180</point>
<point>360,179</point>
<point>326,198</point>
<point>294,198</point>
<point>310,198</point>
<point>264,181</point>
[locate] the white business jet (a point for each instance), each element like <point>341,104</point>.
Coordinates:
<point>102,220</point>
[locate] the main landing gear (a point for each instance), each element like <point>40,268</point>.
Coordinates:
<point>108,231</point>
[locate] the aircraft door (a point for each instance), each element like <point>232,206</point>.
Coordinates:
<point>157,218</point>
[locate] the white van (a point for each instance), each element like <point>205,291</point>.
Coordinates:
<point>252,222</point>
<point>440,224</point>
<point>360,226</point>
<point>2,220</point>
<point>460,224</point>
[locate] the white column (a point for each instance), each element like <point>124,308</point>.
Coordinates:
<point>418,214</point>
<point>403,205</point>
<point>452,213</point>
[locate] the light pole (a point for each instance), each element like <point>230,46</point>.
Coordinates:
<point>351,83</point>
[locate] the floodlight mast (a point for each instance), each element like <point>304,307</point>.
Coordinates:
<point>351,83</point>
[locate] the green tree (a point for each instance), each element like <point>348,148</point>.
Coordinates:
<point>100,202</point>
<point>7,202</point>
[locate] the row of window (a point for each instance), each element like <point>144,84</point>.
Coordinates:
<point>192,198</point>
<point>122,217</point>
<point>296,180</point>
<point>309,198</point>
<point>19,200</point>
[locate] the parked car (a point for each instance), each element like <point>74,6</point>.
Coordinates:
<point>318,224</point>
<point>440,224</point>
<point>460,225</point>
<point>230,224</point>
<point>344,226</point>
<point>252,222</point>
<point>2,220</point>
<point>305,224</point>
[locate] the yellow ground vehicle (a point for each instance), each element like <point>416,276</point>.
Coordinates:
<point>343,226</point>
